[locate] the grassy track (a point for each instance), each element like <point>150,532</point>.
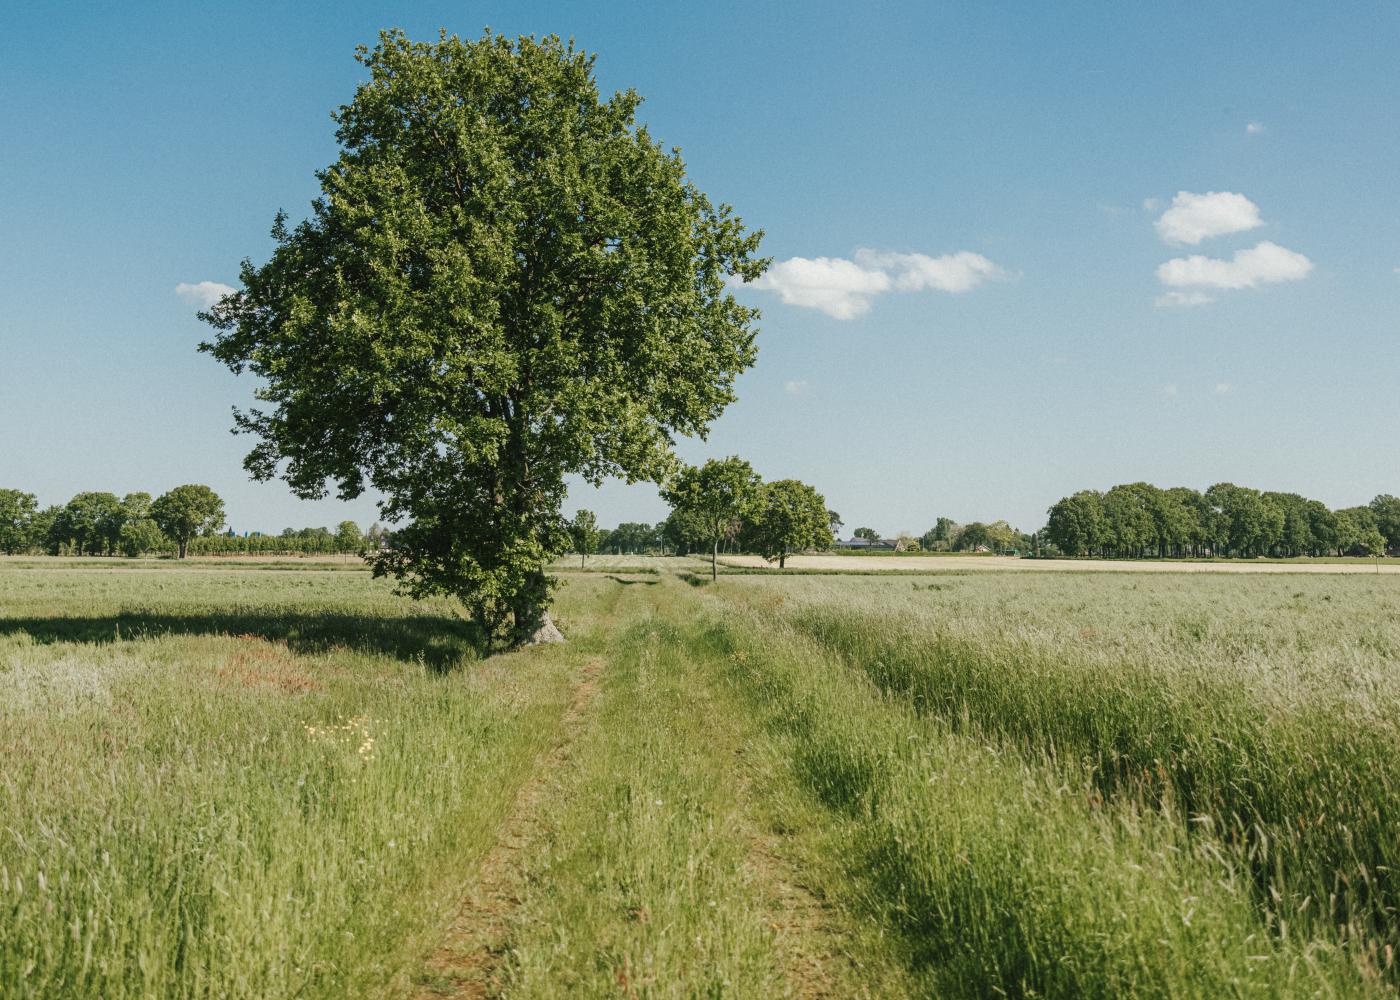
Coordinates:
<point>246,782</point>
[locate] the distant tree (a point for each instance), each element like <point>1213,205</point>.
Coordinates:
<point>787,516</point>
<point>141,536</point>
<point>834,522</point>
<point>714,498</point>
<point>17,512</point>
<point>1358,532</point>
<point>869,534</point>
<point>1387,511</point>
<point>506,281</point>
<point>972,537</point>
<point>348,537</point>
<point>583,529</point>
<point>1076,523</point>
<point>187,511</point>
<point>42,535</point>
<point>84,526</point>
<point>939,538</point>
<point>905,542</point>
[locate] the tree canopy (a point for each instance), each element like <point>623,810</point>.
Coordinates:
<point>713,500</point>
<point>787,516</point>
<point>506,280</point>
<point>187,511</point>
<point>1138,519</point>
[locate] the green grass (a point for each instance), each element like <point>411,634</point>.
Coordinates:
<point>229,785</point>
<point>242,782</point>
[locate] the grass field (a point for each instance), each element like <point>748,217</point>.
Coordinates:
<point>245,781</point>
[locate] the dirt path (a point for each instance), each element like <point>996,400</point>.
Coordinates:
<point>468,962</point>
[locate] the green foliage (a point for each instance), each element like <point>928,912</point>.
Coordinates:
<point>1386,508</point>
<point>90,524</point>
<point>348,538</point>
<point>786,516</point>
<point>17,512</point>
<point>187,511</point>
<point>142,536</point>
<point>1139,519</point>
<point>713,500</point>
<point>1076,523</point>
<point>869,534</point>
<point>506,280</point>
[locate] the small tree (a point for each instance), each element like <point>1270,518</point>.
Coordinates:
<point>348,538</point>
<point>713,499</point>
<point>869,534</point>
<point>787,516</point>
<point>187,511</point>
<point>583,529</point>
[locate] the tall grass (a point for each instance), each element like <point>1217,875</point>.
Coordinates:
<point>187,810</point>
<point>1260,716</point>
<point>1006,871</point>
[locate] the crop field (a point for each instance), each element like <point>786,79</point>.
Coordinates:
<point>892,562</point>
<point>246,780</point>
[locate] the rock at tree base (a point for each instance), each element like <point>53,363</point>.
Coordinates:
<point>547,632</point>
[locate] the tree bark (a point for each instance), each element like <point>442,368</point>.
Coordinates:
<point>714,562</point>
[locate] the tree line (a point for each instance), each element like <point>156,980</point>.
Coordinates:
<point>1139,520</point>
<point>187,520</point>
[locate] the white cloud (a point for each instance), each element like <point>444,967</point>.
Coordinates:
<point>915,272</point>
<point>203,293</point>
<point>1254,128</point>
<point>1223,388</point>
<point>838,287</point>
<point>795,387</point>
<point>1169,390</point>
<point>1195,217</point>
<point>1264,264</point>
<point>843,288</point>
<point>1183,299</point>
<point>1151,204</point>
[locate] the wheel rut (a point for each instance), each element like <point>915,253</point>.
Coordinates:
<point>468,963</point>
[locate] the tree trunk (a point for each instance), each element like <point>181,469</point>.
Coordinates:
<point>782,560</point>
<point>714,562</point>
<point>546,633</point>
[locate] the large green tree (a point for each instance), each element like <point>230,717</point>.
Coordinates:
<point>187,511</point>
<point>713,499</point>
<point>506,280</point>
<point>17,512</point>
<point>786,516</point>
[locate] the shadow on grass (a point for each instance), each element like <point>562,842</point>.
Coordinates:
<point>439,642</point>
<point>628,583</point>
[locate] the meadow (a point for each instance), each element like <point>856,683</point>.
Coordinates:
<point>249,780</point>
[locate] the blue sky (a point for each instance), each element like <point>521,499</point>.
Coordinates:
<point>998,301</point>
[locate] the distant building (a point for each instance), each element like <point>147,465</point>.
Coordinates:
<point>865,543</point>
